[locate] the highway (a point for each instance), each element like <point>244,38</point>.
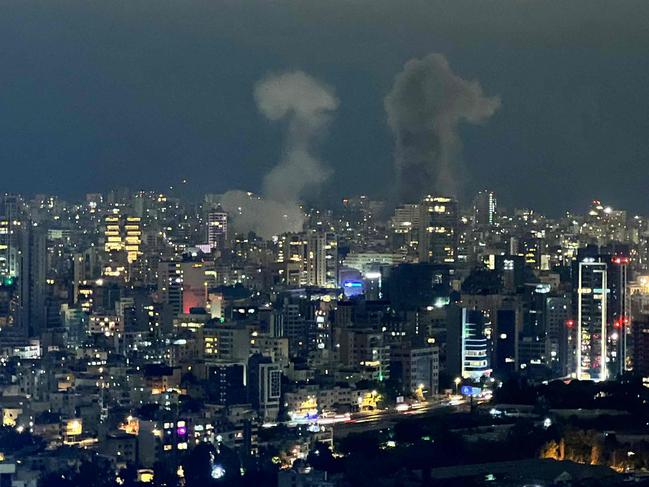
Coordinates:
<point>375,420</point>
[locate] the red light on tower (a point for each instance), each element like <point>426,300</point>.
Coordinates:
<point>570,323</point>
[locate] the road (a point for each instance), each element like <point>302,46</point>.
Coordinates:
<point>370,421</point>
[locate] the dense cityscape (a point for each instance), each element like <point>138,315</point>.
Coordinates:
<point>341,243</point>
<point>145,339</point>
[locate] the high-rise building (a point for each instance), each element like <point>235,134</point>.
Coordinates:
<point>310,258</point>
<point>558,321</point>
<point>75,324</point>
<point>32,278</point>
<point>512,270</point>
<point>5,248</point>
<point>224,341</point>
<point>411,286</point>
<point>113,241</point>
<point>170,288</point>
<point>217,229</point>
<point>416,368</point>
<point>331,259</point>
<point>293,324</point>
<point>505,342</point>
<point>264,386</point>
<point>365,348</point>
<point>591,297</point>
<point>484,208</point>
<point>122,242</point>
<point>10,226</point>
<point>197,278</point>
<point>132,238</point>
<point>475,363</point>
<point>316,259</point>
<point>438,235</point>
<point>226,383</point>
<point>405,226</point>
<point>640,336</point>
<point>9,306</point>
<point>322,259</point>
<point>294,257</point>
<point>85,267</point>
<point>619,313</point>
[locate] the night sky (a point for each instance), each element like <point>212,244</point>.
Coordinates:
<point>97,94</point>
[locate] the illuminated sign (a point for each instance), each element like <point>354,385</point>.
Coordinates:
<point>470,391</point>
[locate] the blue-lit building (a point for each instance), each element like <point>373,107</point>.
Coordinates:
<point>475,362</point>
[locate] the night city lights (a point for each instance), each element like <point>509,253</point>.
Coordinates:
<point>341,243</point>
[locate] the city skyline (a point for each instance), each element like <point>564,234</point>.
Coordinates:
<point>108,91</point>
<point>341,243</point>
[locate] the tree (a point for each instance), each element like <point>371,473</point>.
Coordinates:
<point>207,465</point>
<point>321,458</point>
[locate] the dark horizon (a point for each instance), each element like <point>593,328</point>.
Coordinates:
<point>162,91</point>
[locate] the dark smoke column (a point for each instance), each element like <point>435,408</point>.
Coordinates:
<point>427,103</point>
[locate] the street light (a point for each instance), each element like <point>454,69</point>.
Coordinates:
<point>457,384</point>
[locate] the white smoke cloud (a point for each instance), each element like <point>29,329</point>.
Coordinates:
<point>307,105</point>
<point>425,107</point>
<point>266,218</point>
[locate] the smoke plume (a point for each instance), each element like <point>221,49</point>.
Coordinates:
<point>266,218</point>
<point>427,103</point>
<point>307,106</point>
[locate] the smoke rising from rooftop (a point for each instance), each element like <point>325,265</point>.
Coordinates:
<point>266,218</point>
<point>307,106</point>
<point>425,107</point>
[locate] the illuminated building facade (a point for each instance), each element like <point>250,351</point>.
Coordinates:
<point>475,363</point>
<point>132,238</point>
<point>9,231</point>
<point>619,314</point>
<point>558,324</point>
<point>591,323</point>
<point>484,208</point>
<point>5,259</point>
<point>602,308</point>
<point>170,288</point>
<point>604,224</point>
<point>122,242</point>
<point>438,235</point>
<point>217,229</point>
<point>405,227</point>
<point>113,232</point>
<point>321,259</point>
<point>224,341</point>
<point>107,325</point>
<point>311,259</point>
